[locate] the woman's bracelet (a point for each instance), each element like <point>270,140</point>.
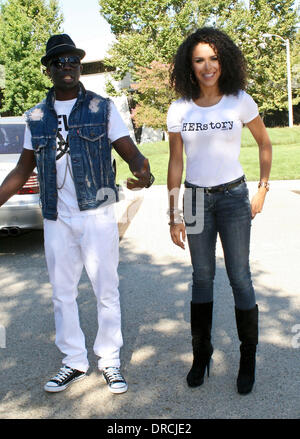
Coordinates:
<point>174,210</point>
<point>177,216</point>
<point>175,223</point>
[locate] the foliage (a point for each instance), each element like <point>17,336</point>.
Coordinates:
<point>295,62</point>
<point>2,77</point>
<point>25,26</point>
<point>155,92</point>
<point>152,30</point>
<point>266,57</point>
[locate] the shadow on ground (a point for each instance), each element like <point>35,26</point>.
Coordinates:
<point>157,348</point>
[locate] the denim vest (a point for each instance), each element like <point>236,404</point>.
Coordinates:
<point>90,151</point>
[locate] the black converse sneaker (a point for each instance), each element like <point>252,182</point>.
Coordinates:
<point>63,379</point>
<point>115,380</point>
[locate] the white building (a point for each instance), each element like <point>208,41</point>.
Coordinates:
<point>95,76</point>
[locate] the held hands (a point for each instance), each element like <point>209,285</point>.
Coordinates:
<point>142,177</point>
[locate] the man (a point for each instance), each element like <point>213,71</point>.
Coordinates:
<point>68,138</point>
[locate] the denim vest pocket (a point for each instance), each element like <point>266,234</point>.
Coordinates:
<point>91,138</point>
<point>39,147</point>
<point>39,143</point>
<point>91,133</point>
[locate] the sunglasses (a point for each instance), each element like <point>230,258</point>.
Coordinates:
<point>60,63</point>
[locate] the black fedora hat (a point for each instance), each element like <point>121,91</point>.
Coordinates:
<point>58,44</point>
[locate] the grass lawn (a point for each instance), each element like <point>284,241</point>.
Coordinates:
<point>286,156</point>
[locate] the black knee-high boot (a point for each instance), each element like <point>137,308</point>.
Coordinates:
<point>201,323</point>
<point>247,327</point>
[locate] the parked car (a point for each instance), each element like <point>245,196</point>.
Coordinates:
<point>22,211</point>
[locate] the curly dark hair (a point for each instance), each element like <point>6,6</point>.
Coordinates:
<point>233,64</point>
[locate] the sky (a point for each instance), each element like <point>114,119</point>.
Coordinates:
<point>86,27</point>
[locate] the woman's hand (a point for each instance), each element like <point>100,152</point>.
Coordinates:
<point>257,202</point>
<point>260,134</point>
<point>178,234</point>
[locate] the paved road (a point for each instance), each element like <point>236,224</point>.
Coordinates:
<point>155,294</point>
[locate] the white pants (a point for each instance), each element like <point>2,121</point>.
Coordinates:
<point>90,241</point>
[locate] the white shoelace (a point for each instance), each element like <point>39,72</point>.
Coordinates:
<point>113,374</point>
<point>63,373</point>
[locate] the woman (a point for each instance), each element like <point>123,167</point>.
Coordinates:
<point>209,73</point>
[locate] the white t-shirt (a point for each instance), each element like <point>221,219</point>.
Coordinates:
<point>67,204</point>
<point>212,137</point>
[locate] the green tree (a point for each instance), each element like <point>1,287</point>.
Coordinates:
<point>25,26</point>
<point>154,95</point>
<point>266,57</point>
<point>295,64</point>
<point>149,31</point>
<point>2,77</point>
<point>152,30</point>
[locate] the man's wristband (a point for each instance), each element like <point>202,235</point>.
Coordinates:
<point>151,181</point>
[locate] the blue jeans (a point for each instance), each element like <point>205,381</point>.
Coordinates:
<point>229,214</point>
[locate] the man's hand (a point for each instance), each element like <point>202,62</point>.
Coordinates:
<point>138,164</point>
<point>142,177</point>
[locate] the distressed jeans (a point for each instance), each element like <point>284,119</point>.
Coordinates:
<point>228,214</point>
